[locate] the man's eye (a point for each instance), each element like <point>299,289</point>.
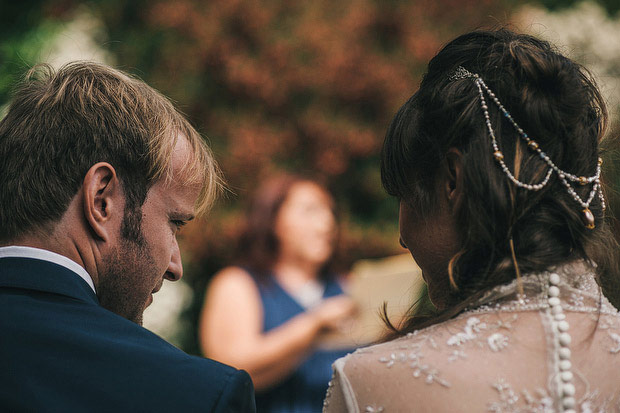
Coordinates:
<point>178,223</point>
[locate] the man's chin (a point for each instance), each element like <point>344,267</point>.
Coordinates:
<point>137,318</point>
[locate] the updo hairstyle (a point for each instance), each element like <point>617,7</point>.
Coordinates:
<point>556,102</point>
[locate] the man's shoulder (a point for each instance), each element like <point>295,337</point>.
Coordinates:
<point>103,353</point>
<point>188,381</point>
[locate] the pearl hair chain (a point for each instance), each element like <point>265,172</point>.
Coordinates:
<point>565,177</point>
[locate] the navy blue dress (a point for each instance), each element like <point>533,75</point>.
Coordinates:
<point>304,390</point>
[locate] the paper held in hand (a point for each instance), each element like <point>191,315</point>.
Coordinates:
<point>395,280</point>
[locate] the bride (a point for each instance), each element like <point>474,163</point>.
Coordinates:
<point>496,163</point>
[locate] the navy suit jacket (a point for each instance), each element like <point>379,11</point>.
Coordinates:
<point>61,351</point>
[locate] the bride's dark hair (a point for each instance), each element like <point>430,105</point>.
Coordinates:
<point>557,103</point>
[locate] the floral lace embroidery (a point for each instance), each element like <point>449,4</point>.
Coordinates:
<point>328,394</point>
<point>616,338</point>
<point>414,357</point>
<point>457,355</point>
<point>541,403</point>
<point>497,342</point>
<point>583,297</point>
<point>576,300</point>
<point>471,330</point>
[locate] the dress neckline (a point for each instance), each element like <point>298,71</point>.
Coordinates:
<point>579,291</point>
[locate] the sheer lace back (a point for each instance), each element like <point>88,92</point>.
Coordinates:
<point>508,353</point>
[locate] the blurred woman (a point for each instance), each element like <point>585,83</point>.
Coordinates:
<point>495,161</point>
<point>267,314</point>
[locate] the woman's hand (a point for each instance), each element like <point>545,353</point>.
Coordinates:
<point>232,323</point>
<point>334,312</point>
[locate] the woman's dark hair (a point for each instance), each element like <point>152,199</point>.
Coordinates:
<point>557,103</point>
<point>258,245</point>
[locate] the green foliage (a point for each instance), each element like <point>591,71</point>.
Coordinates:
<point>25,30</point>
<point>297,86</point>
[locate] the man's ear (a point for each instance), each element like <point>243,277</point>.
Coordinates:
<point>453,183</point>
<point>103,199</point>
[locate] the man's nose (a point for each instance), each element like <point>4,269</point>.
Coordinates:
<point>175,267</point>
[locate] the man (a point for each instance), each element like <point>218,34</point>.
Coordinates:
<point>97,174</point>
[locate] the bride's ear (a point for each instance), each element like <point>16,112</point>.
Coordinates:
<point>452,185</point>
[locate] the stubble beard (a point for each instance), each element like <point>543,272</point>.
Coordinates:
<point>125,282</point>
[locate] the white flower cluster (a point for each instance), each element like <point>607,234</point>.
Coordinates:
<point>82,38</point>
<point>587,34</point>
<point>163,316</point>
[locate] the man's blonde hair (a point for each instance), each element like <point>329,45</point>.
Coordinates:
<point>60,123</point>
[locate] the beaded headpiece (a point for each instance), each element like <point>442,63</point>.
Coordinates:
<point>565,177</point>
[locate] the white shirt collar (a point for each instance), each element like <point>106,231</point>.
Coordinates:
<point>45,255</point>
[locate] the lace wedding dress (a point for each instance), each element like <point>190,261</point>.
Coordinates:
<point>550,343</point>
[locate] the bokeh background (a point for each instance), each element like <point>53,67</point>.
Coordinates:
<point>298,86</point>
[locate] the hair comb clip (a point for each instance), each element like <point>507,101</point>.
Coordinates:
<point>462,73</point>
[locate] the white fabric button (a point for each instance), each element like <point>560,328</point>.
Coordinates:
<point>568,402</point>
<point>567,376</point>
<point>564,353</point>
<point>554,279</point>
<point>565,339</point>
<point>568,389</point>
